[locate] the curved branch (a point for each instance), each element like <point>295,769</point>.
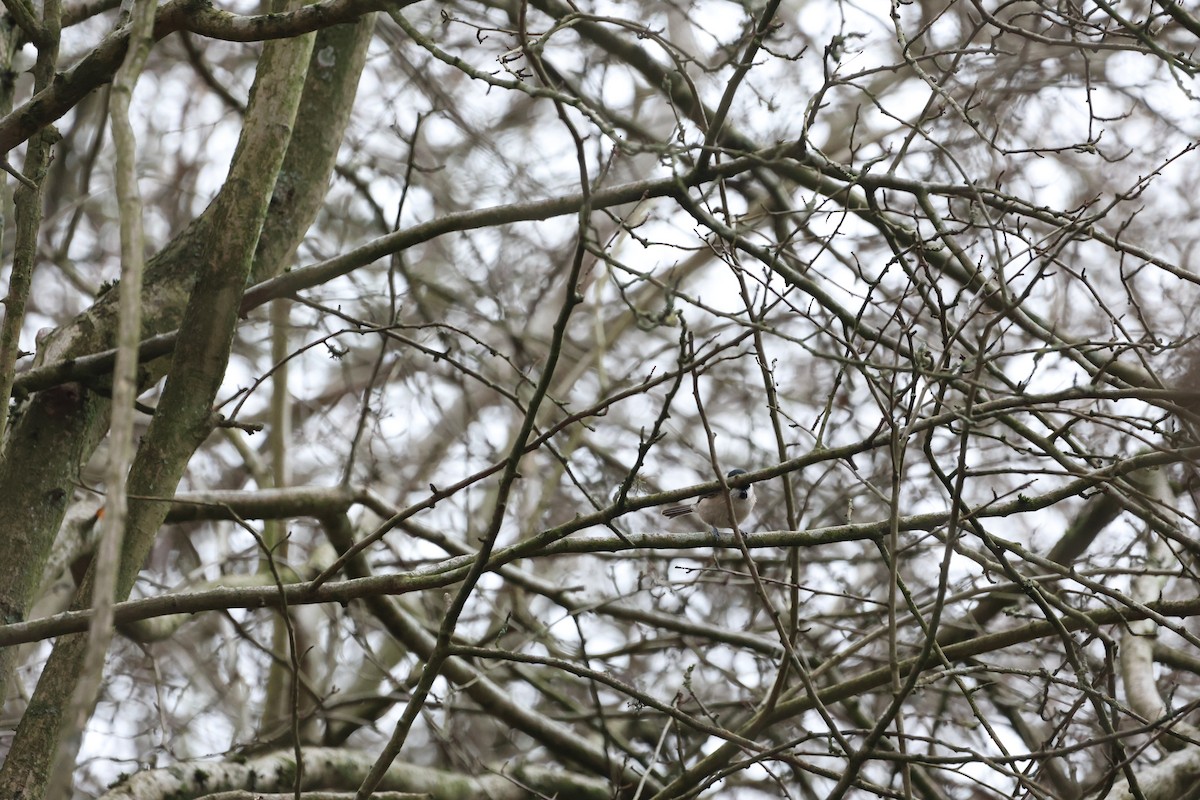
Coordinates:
<point>39,378</point>
<point>208,21</point>
<point>198,16</point>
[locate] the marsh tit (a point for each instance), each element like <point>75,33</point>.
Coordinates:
<point>712,508</point>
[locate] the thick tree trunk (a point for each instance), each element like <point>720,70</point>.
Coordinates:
<point>196,284</point>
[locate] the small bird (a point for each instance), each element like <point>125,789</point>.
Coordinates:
<point>712,508</point>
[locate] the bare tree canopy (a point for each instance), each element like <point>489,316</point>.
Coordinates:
<point>353,349</point>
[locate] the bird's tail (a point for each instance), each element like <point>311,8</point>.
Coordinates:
<point>678,511</point>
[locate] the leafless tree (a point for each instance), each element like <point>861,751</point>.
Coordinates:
<point>352,348</point>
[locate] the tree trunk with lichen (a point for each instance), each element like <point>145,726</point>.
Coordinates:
<point>194,284</point>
